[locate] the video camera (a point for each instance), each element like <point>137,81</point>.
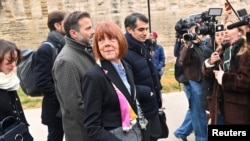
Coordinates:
<point>182,26</point>
<point>208,22</point>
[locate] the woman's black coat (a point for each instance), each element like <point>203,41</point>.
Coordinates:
<point>101,104</point>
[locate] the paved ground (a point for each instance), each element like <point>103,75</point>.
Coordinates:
<point>174,102</point>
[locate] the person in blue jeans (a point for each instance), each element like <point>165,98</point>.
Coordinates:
<point>195,119</point>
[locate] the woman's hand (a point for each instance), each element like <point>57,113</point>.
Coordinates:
<point>218,75</point>
<point>214,58</point>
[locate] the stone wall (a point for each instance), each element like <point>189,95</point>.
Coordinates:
<point>24,21</point>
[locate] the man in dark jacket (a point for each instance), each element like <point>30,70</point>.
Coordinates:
<point>75,59</point>
<point>191,54</point>
<point>43,78</point>
<point>145,77</point>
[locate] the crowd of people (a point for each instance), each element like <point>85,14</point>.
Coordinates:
<point>105,84</point>
<point>216,66</point>
<point>94,89</point>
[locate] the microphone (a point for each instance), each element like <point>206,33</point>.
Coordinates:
<point>238,24</point>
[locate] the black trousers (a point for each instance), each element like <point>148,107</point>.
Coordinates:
<point>56,132</point>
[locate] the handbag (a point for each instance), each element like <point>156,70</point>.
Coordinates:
<point>12,130</point>
<point>163,122</point>
<point>132,135</point>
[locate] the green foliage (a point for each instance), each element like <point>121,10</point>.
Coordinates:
<point>168,81</point>
<point>29,102</point>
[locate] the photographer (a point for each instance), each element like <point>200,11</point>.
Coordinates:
<point>182,28</point>
<point>191,55</point>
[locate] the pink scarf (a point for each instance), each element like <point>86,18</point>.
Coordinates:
<point>127,113</point>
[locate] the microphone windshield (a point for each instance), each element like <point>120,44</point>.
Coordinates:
<point>237,24</point>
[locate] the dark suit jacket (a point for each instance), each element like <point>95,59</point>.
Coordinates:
<point>101,104</point>
<point>70,66</point>
<point>145,77</point>
<point>45,84</point>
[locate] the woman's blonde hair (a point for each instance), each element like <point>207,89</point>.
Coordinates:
<point>245,47</point>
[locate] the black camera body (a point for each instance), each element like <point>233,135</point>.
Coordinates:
<point>242,13</point>
<point>208,22</point>
<point>182,26</point>
<point>243,17</point>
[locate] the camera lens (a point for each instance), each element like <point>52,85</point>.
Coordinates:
<point>189,36</point>
<point>197,30</point>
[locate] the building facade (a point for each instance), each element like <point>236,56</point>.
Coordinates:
<point>24,21</point>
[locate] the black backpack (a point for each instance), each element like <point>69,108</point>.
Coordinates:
<point>179,71</point>
<point>25,71</point>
